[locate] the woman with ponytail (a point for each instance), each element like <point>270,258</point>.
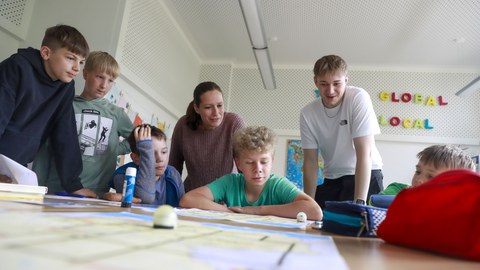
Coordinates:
<point>202,139</point>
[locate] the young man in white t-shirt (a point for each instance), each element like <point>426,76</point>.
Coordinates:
<point>342,124</point>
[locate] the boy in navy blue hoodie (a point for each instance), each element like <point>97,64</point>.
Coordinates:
<point>36,94</point>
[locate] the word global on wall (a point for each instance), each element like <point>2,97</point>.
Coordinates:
<point>409,122</point>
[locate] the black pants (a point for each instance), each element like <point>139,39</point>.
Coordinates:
<point>343,188</point>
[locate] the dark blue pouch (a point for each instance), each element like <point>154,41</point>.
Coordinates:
<point>351,219</point>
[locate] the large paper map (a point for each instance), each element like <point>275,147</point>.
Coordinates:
<point>122,240</point>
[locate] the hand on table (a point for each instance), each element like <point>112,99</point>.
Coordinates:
<point>117,197</point>
<point>86,192</point>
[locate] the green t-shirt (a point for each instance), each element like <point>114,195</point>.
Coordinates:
<point>230,189</point>
<point>394,188</point>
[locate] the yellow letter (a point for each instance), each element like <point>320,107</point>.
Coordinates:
<point>418,124</point>
<point>407,123</point>
<point>418,98</point>
<point>384,95</point>
<point>382,121</point>
<point>431,101</point>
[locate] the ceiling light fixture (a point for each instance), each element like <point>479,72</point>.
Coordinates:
<point>469,88</point>
<point>253,20</point>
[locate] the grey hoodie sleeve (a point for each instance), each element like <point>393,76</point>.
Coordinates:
<point>145,181</point>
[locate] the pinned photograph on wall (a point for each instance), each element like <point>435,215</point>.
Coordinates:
<point>114,94</point>
<point>295,163</point>
<point>138,120</point>
<point>123,103</point>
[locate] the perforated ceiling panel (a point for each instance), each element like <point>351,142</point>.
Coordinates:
<point>280,108</point>
<point>373,33</point>
<point>12,10</point>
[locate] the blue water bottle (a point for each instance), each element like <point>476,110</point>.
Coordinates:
<point>129,187</point>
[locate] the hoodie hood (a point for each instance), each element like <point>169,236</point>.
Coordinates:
<point>33,56</point>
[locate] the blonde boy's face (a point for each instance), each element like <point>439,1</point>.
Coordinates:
<point>255,166</point>
<point>61,64</point>
<point>160,155</point>
<point>97,84</point>
<point>425,172</point>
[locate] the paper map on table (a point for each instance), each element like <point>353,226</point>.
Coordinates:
<point>36,240</point>
<point>243,218</point>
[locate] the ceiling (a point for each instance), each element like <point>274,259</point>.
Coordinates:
<point>408,34</point>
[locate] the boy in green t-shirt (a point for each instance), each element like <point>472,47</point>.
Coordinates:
<point>432,161</point>
<point>255,190</point>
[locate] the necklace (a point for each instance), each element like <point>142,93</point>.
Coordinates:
<point>335,115</point>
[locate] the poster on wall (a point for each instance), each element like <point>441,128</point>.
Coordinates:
<point>295,163</point>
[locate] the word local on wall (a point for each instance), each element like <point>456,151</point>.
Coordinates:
<point>406,98</point>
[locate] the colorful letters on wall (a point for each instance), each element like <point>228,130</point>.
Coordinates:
<point>409,98</point>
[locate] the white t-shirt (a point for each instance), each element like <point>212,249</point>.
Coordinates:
<point>333,134</point>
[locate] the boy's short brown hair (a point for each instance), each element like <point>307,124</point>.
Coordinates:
<point>329,64</point>
<point>65,36</point>
<point>260,139</point>
<point>102,62</point>
<point>155,132</point>
<point>448,156</point>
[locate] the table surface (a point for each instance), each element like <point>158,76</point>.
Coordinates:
<point>359,253</point>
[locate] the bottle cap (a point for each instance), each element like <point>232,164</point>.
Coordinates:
<point>131,171</point>
<point>126,204</point>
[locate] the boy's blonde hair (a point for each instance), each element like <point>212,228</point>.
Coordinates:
<point>260,139</point>
<point>329,64</point>
<point>449,156</point>
<point>65,36</point>
<point>102,62</point>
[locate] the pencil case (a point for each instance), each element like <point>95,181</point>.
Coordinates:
<point>351,219</point>
<point>382,201</point>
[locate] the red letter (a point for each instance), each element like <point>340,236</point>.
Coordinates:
<point>440,101</point>
<point>406,97</point>
<point>394,99</point>
<point>394,121</point>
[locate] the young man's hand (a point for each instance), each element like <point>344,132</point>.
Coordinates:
<point>86,192</point>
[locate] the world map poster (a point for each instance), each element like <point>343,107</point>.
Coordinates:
<point>295,163</point>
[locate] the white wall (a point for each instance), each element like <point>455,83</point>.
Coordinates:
<point>10,44</point>
<point>14,25</point>
<point>155,55</point>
